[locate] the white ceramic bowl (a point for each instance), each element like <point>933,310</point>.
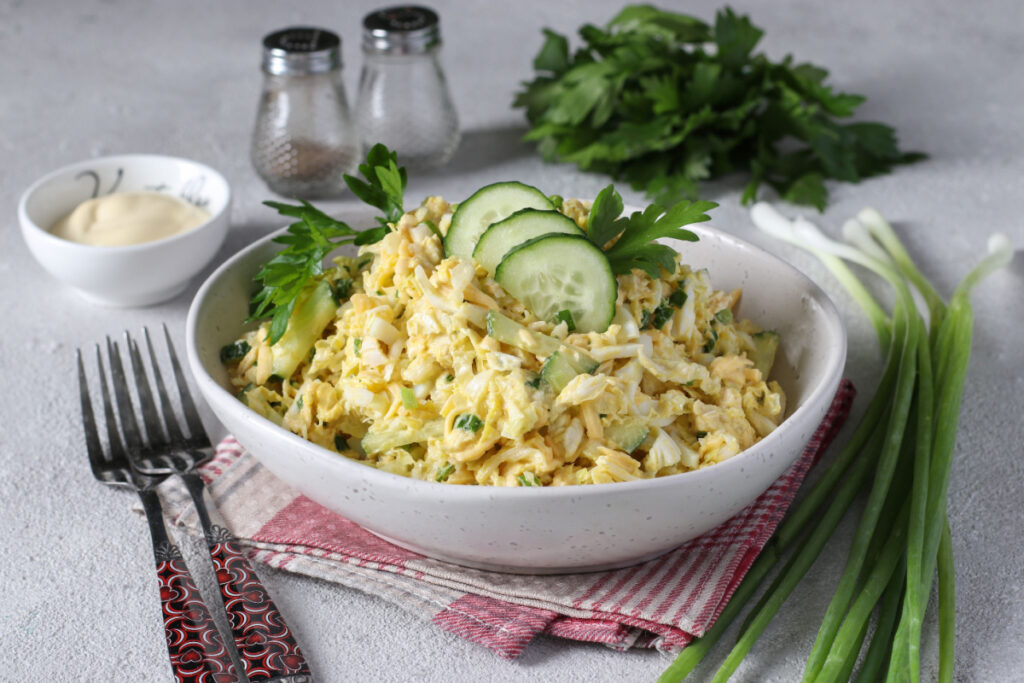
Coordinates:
<point>135,275</point>
<point>548,530</point>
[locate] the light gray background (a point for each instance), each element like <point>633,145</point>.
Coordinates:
<point>77,80</point>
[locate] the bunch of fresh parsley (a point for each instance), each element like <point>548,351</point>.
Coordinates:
<point>315,235</point>
<point>663,100</point>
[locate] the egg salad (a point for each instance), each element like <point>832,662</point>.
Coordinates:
<point>425,366</point>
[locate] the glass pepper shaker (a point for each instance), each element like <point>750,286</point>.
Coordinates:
<point>403,98</point>
<point>304,140</point>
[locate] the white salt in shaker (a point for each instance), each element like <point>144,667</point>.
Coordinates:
<point>403,98</point>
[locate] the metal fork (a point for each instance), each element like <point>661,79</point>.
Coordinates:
<point>195,646</point>
<point>265,644</point>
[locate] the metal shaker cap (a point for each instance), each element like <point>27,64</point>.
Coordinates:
<point>301,50</point>
<point>401,30</point>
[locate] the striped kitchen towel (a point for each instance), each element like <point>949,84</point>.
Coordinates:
<point>662,603</point>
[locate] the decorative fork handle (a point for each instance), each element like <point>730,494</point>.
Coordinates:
<point>265,643</point>
<point>194,644</point>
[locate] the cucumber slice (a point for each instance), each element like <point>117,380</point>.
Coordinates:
<point>627,436</point>
<point>554,273</point>
<point>522,226</point>
<point>508,331</point>
<point>488,205</point>
<point>765,345</point>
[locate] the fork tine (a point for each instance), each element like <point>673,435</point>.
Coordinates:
<point>157,436</point>
<point>132,436</point>
<point>117,452</point>
<point>195,425</point>
<point>170,420</point>
<point>92,436</point>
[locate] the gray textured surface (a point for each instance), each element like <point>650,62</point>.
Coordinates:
<point>77,595</point>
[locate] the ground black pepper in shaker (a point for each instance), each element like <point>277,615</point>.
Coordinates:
<point>304,140</point>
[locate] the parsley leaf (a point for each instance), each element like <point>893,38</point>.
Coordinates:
<point>341,289</point>
<point>314,235</point>
<point>711,340</point>
<point>663,101</point>
<point>662,314</point>
<point>283,278</point>
<point>628,242</point>
<point>234,351</point>
<point>382,186</point>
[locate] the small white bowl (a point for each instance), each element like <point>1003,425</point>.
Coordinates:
<point>550,529</point>
<point>139,274</point>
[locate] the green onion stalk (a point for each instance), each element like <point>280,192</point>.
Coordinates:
<point>900,455</point>
<point>809,506</point>
<point>906,313</point>
<point>953,342</point>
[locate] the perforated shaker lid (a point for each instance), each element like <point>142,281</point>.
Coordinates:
<point>301,50</point>
<point>403,29</point>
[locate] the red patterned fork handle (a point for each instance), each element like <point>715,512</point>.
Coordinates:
<point>193,642</point>
<point>195,646</point>
<point>266,647</point>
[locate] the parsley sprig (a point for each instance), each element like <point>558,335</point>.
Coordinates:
<point>628,241</point>
<point>314,235</point>
<point>383,188</point>
<point>664,100</point>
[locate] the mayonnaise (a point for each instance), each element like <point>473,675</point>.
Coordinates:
<point>129,218</point>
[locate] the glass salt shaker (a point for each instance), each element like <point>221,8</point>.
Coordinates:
<point>304,140</point>
<point>403,98</point>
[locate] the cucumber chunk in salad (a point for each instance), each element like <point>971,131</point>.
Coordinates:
<point>378,442</point>
<point>508,331</point>
<point>314,310</point>
<point>489,205</point>
<point>628,435</point>
<point>522,226</point>
<point>554,273</point>
<point>557,372</point>
<point>766,344</point>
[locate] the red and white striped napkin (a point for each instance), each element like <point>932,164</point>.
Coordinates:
<point>662,603</point>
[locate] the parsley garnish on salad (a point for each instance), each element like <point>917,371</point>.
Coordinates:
<point>315,235</point>
<point>628,241</point>
<point>293,287</point>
